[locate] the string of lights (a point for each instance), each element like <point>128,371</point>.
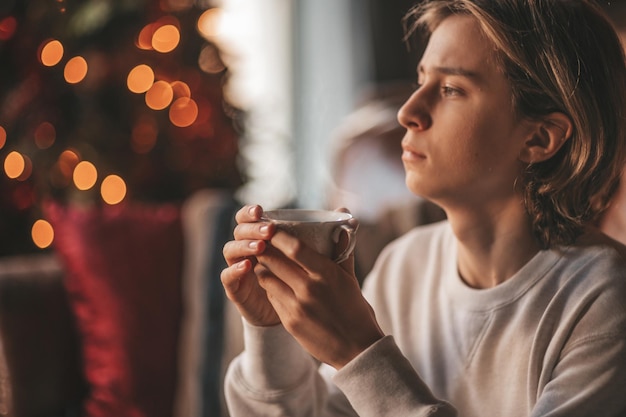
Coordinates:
<point>109,102</point>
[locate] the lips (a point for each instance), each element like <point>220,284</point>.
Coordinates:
<point>412,155</point>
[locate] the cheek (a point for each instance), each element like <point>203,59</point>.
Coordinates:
<point>481,151</point>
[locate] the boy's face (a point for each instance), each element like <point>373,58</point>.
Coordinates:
<point>463,136</point>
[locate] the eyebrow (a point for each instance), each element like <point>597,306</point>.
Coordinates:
<point>453,71</point>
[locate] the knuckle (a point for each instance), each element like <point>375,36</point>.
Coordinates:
<point>225,275</point>
<point>311,293</point>
<point>226,249</point>
<point>291,324</point>
<point>294,250</point>
<point>298,321</point>
<point>227,278</point>
<point>239,231</point>
<point>263,275</point>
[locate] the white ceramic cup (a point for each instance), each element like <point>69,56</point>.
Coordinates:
<point>321,230</point>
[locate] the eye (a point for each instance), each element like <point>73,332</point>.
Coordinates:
<point>447,90</point>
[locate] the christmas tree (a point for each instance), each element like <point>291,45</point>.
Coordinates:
<point>106,102</point>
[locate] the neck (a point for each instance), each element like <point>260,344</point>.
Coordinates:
<point>493,244</point>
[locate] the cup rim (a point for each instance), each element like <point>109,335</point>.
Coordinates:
<point>296,215</point>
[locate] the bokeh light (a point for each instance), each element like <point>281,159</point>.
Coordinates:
<point>3,137</point>
<point>68,161</point>
<point>42,233</point>
<point>75,70</point>
<point>140,79</point>
<point>144,40</point>
<point>183,112</point>
<point>209,22</point>
<point>45,135</point>
<point>210,61</point>
<point>28,169</point>
<point>165,38</point>
<point>61,175</point>
<point>113,189</point>
<point>14,164</point>
<point>85,175</point>
<point>8,25</point>
<point>51,53</point>
<point>160,95</point>
<point>181,89</point>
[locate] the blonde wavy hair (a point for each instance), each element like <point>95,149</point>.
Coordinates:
<point>559,56</point>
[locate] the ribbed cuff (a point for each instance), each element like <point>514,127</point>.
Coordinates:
<point>273,360</point>
<point>381,382</point>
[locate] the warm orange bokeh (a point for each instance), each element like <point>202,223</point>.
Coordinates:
<point>183,112</point>
<point>45,135</point>
<point>42,234</point>
<point>85,175</point>
<point>75,70</point>
<point>165,39</point>
<point>51,53</point>
<point>68,161</point>
<point>181,89</point>
<point>3,137</point>
<point>144,40</point>
<point>160,95</point>
<point>61,173</point>
<point>14,165</point>
<point>113,189</point>
<point>140,79</point>
<point>208,23</point>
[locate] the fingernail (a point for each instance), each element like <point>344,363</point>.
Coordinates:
<point>253,245</point>
<point>252,210</point>
<point>264,228</point>
<point>241,265</point>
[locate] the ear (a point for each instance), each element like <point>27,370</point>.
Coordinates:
<point>547,136</point>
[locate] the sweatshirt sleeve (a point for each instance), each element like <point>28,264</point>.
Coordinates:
<point>381,382</point>
<point>273,376</point>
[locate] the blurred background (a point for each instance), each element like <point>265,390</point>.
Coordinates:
<point>130,133</point>
<point>106,101</point>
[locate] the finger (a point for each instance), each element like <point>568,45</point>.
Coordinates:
<point>279,294</point>
<point>236,250</point>
<point>254,231</point>
<point>306,264</point>
<point>274,264</point>
<point>290,259</point>
<point>233,277</point>
<point>267,279</point>
<point>249,213</point>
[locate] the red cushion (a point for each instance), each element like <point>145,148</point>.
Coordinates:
<point>123,275</point>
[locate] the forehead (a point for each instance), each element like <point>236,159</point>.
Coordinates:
<point>459,42</point>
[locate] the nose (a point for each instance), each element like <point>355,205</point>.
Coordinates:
<point>414,112</point>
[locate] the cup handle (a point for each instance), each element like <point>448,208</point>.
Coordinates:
<point>351,233</point>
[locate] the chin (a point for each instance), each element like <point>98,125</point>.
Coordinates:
<point>414,183</point>
<point>419,188</point>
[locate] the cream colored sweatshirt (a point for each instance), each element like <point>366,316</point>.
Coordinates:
<point>550,341</point>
